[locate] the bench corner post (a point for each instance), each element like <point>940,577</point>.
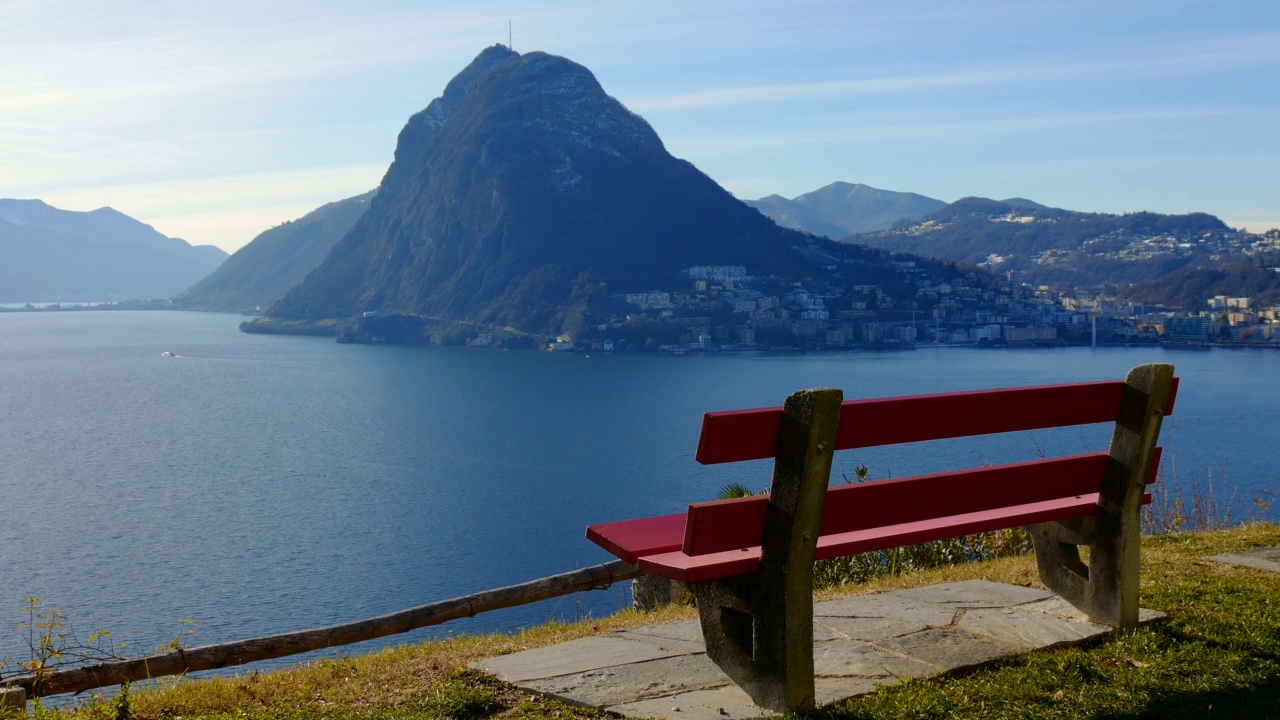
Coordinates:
<point>1107,590</point>
<point>759,628</point>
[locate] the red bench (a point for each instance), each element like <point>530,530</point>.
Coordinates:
<point>751,559</point>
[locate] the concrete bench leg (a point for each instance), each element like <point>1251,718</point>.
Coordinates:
<point>650,592</point>
<point>1107,588</point>
<point>13,702</point>
<point>759,628</point>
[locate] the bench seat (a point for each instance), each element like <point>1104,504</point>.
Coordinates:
<point>631,540</point>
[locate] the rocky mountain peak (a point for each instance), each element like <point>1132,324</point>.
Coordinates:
<point>523,177</point>
<point>456,91</point>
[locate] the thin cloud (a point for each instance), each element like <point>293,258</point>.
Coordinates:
<point>181,62</point>
<point>852,134</point>
<point>1197,57</point>
<point>809,90</point>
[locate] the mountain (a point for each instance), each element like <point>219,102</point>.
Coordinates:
<point>790,214</point>
<point>1192,287</point>
<point>260,273</point>
<point>1024,203</point>
<point>47,254</point>
<point>1061,247</point>
<point>524,196</point>
<point>841,209</point>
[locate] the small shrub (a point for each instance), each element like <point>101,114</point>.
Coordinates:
<point>856,569</point>
<point>1194,505</point>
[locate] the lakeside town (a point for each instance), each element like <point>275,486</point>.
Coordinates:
<point>725,309</point>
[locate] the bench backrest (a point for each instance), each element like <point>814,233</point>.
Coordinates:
<point>736,435</point>
<point>723,525</point>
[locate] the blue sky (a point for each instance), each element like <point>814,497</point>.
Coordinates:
<point>215,121</point>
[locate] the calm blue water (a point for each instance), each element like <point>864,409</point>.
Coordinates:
<point>261,484</point>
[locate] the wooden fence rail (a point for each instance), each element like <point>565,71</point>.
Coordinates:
<point>210,657</point>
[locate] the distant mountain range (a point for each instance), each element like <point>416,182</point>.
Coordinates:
<point>1172,259</point>
<point>1062,247</point>
<point>524,197</point>
<point>260,273</point>
<point>841,209</point>
<point>49,255</point>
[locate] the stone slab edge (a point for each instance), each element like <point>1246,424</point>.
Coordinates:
<point>1245,560</point>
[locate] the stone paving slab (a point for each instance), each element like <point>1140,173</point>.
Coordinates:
<point>834,659</point>
<point>1027,630</point>
<point>575,656</point>
<point>860,643</point>
<point>616,685</point>
<point>1267,558</point>
<point>727,702</point>
<point>949,648</point>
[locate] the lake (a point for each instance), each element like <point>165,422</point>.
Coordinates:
<point>260,484</point>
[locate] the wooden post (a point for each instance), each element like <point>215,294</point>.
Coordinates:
<point>13,702</point>
<point>759,628</point>
<point>1107,589</point>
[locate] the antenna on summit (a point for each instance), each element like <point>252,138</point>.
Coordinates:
<point>509,45</point>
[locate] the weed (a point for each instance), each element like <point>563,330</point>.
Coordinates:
<point>734,490</point>
<point>1197,504</point>
<point>53,643</point>
<point>120,705</point>
<point>186,630</point>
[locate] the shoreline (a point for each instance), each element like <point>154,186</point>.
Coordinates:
<point>334,327</point>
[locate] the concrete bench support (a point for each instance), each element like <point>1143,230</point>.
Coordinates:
<point>13,702</point>
<point>759,628</point>
<point>1107,589</point>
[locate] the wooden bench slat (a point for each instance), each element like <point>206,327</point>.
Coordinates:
<point>860,541</point>
<point>698,568</point>
<point>630,539</point>
<point>721,525</point>
<point>728,525</point>
<point>738,435</point>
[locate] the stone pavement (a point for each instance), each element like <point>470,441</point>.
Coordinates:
<point>859,643</point>
<point>1267,558</point>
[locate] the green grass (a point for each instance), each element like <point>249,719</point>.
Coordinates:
<point>1218,656</point>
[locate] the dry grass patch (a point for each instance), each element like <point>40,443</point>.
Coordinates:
<point>366,684</point>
